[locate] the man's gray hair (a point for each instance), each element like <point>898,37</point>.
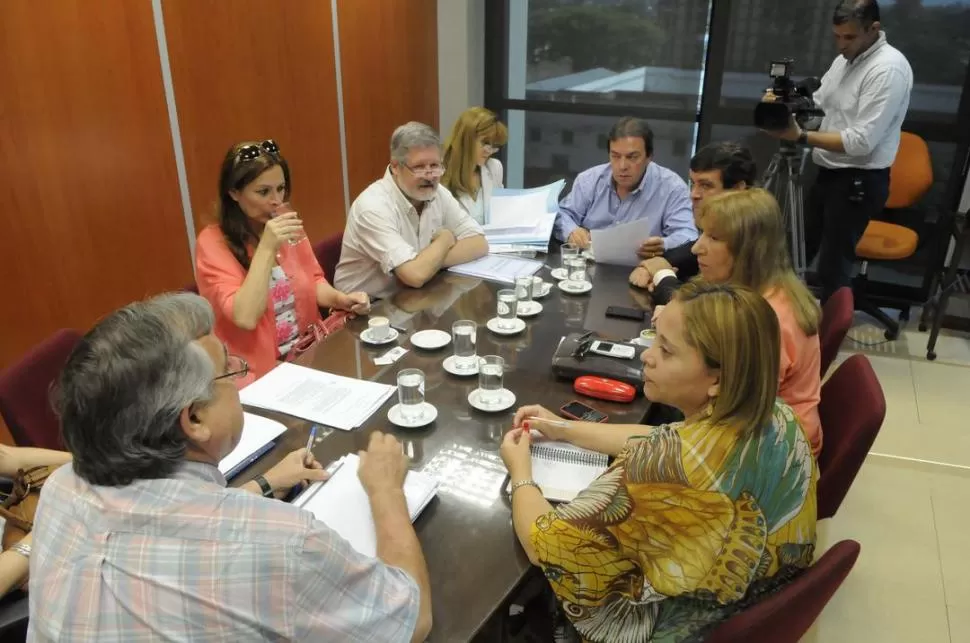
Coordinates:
<point>124,386</point>
<point>411,135</point>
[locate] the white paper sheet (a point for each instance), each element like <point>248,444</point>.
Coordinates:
<point>257,433</point>
<point>517,210</point>
<point>618,245</point>
<point>500,268</point>
<point>341,402</point>
<point>341,503</point>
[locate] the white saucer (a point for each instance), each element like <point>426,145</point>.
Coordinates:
<point>559,274</point>
<point>506,401</point>
<point>429,415</point>
<point>575,288</point>
<point>545,290</point>
<point>449,365</point>
<point>493,325</point>
<point>430,339</point>
<point>365,337</point>
<point>529,309</point>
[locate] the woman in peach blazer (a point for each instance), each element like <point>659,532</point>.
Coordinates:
<point>257,268</point>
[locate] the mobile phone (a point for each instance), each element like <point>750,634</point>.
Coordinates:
<point>626,313</point>
<point>609,349</point>
<point>576,410</point>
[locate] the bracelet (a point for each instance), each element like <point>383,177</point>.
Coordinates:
<point>265,486</point>
<point>523,483</point>
<point>21,548</point>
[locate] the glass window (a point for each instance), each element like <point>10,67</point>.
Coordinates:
<point>537,164</point>
<point>608,51</point>
<point>567,137</point>
<point>930,33</point>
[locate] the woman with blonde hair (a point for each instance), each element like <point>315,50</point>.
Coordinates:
<point>695,520</point>
<point>470,171</point>
<point>742,241</point>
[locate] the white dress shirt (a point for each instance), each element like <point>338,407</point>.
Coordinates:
<point>866,100</point>
<point>384,231</point>
<point>476,206</point>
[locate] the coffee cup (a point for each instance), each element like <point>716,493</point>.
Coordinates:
<point>380,328</point>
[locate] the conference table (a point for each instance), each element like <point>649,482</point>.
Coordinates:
<point>474,559</point>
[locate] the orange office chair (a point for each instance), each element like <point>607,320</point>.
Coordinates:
<point>909,179</point>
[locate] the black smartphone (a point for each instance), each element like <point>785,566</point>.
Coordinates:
<point>626,313</point>
<point>576,410</point>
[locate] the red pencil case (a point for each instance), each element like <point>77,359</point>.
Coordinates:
<point>603,388</point>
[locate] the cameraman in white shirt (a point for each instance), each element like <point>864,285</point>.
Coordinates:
<point>865,95</point>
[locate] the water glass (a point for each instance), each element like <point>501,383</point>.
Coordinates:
<point>507,309</point>
<point>410,393</point>
<point>537,284</point>
<point>286,208</point>
<point>523,290</point>
<point>491,368</point>
<point>576,270</point>
<point>566,251</point>
<point>463,333</point>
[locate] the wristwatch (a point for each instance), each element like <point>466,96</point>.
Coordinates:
<point>803,138</point>
<point>264,486</point>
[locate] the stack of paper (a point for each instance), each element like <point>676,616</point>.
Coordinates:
<point>341,402</point>
<point>257,438</point>
<point>498,268</point>
<point>522,219</point>
<point>342,504</point>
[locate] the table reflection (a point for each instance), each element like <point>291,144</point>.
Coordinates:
<point>475,476</point>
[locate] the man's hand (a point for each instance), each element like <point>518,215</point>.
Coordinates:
<point>652,247</point>
<point>580,238</point>
<point>449,237</point>
<point>383,466</point>
<point>790,133</point>
<point>293,470</point>
<point>642,276</point>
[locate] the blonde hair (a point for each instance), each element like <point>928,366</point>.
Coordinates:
<point>750,223</point>
<point>736,332</point>
<point>474,124</point>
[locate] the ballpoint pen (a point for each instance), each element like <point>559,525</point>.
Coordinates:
<point>308,458</point>
<point>559,423</point>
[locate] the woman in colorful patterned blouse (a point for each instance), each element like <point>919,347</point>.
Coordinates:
<point>692,521</point>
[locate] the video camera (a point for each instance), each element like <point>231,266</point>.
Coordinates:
<point>790,98</point>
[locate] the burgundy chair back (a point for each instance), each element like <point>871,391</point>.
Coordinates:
<point>852,410</point>
<point>25,392</point>
<point>787,614</point>
<point>192,288</point>
<point>328,254</point>
<point>836,321</point>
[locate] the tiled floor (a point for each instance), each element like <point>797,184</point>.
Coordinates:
<point>909,506</point>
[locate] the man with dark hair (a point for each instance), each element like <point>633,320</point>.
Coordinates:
<point>628,188</point>
<point>716,167</point>
<point>865,95</point>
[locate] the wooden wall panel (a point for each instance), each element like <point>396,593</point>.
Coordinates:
<point>249,69</point>
<point>91,215</point>
<point>389,68</point>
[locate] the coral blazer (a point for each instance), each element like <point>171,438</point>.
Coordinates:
<point>219,276</point>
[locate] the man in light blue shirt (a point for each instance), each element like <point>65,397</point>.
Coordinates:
<point>628,188</point>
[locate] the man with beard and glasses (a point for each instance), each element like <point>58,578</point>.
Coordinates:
<point>405,227</point>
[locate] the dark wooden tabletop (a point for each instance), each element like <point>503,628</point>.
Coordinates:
<point>473,557</point>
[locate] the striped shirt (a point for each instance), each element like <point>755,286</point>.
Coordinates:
<point>186,559</point>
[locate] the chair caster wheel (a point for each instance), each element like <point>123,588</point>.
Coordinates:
<point>891,335</point>
<point>931,356</point>
<point>922,328</point>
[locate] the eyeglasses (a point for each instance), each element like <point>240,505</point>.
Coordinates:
<point>253,151</point>
<point>236,367</point>
<point>488,148</point>
<point>432,171</point>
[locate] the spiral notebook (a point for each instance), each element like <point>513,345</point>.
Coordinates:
<point>562,470</point>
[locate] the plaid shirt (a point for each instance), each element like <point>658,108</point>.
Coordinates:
<point>186,559</point>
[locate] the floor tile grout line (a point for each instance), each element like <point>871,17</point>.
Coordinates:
<point>954,468</point>
<point>912,377</point>
<point>939,558</point>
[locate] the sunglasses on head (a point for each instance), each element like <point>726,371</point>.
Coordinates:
<point>253,151</point>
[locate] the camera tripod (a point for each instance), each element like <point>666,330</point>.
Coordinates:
<point>783,179</point>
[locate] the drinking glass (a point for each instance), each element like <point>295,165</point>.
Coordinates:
<point>507,309</point>
<point>491,369</point>
<point>410,393</point>
<point>566,251</point>
<point>576,270</point>
<point>286,208</point>
<point>463,333</point>
<point>523,291</point>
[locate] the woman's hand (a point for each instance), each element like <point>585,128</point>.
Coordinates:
<point>532,416</point>
<point>297,467</point>
<point>284,228</point>
<point>516,454</point>
<point>356,302</point>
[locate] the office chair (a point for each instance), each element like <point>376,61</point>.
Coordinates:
<point>787,614</point>
<point>328,254</point>
<point>910,178</point>
<point>836,321</point>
